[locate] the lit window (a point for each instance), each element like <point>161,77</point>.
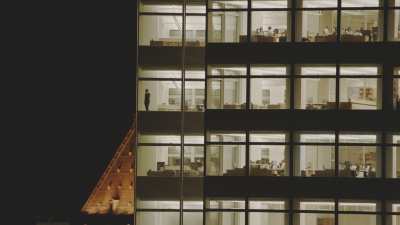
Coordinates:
<point>160,30</point>
<point>361,26</point>
<point>360,87</point>
<point>359,157</point>
<point>269,26</point>
<point>226,160</point>
<point>227,26</point>
<point>317,26</point>
<point>314,211</point>
<point>358,213</point>
<point>316,158</point>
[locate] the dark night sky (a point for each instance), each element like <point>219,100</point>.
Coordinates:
<point>74,101</point>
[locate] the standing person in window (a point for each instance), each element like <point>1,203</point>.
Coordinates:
<point>147,99</point>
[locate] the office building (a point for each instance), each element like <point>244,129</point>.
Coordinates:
<point>273,112</point>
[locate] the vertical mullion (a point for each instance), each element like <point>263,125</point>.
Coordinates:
<point>246,211</point>
<point>182,111</point>
<point>383,212</point>
<point>383,150</point>
<point>336,211</point>
<point>293,28</point>
<point>248,86</point>
<point>337,80</point>
<point>339,19</point>
<point>248,22</point>
<point>291,214</point>
<point>291,86</point>
<point>247,154</point>
<point>385,19</point>
<point>204,118</point>
<point>291,154</point>
<point>336,153</point>
<point>135,145</point>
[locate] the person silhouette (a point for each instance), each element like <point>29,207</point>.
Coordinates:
<point>147,99</point>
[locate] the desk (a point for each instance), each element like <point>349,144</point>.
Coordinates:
<point>262,38</point>
<point>235,172</point>
<point>176,43</point>
<point>352,38</point>
<point>327,38</point>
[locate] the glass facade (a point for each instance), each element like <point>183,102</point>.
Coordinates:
<point>217,130</point>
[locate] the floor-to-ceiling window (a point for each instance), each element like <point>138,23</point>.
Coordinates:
<point>269,87</point>
<point>359,155</point>
<point>314,212</point>
<point>315,87</point>
<point>315,154</point>
<point>269,154</point>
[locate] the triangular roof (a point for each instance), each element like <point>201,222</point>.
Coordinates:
<point>113,193</point>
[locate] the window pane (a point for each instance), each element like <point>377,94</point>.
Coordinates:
<point>268,204</point>
<point>360,26</point>
<point>195,31</point>
<point>159,7</point>
<point>313,137</point>
<point>393,220</point>
<point>159,96</point>
<point>360,3</point>
<point>160,161</point>
<point>314,219</point>
<point>315,204</point>
<point>268,70</point>
<point>225,218</point>
<point>318,26</point>
<point>194,161</point>
<point>195,6</point>
<point>316,93</point>
<point>192,218</point>
<point>360,70</point>
<point>318,3</point>
<point>194,95</point>
<point>195,74</point>
<point>269,26</point>
<point>226,160</point>
<point>227,70</point>
<point>358,219</point>
<point>227,4</point>
<point>157,218</point>
<point>268,218</point>
<point>269,3</point>
<point>164,139</point>
<point>228,26</point>
<point>226,94</point>
<point>227,137</point>
<point>358,206</point>
<point>358,138</point>
<point>146,73</point>
<point>160,30</point>
<point>193,205</point>
<point>315,161</point>
<point>267,137</point>
<point>396,93</point>
<point>226,204</point>
<point>193,139</point>
<point>318,70</point>
<point>269,160</point>
<point>359,93</point>
<point>393,162</point>
<point>269,93</point>
<point>158,204</point>
<point>359,161</point>
<point>394,25</point>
